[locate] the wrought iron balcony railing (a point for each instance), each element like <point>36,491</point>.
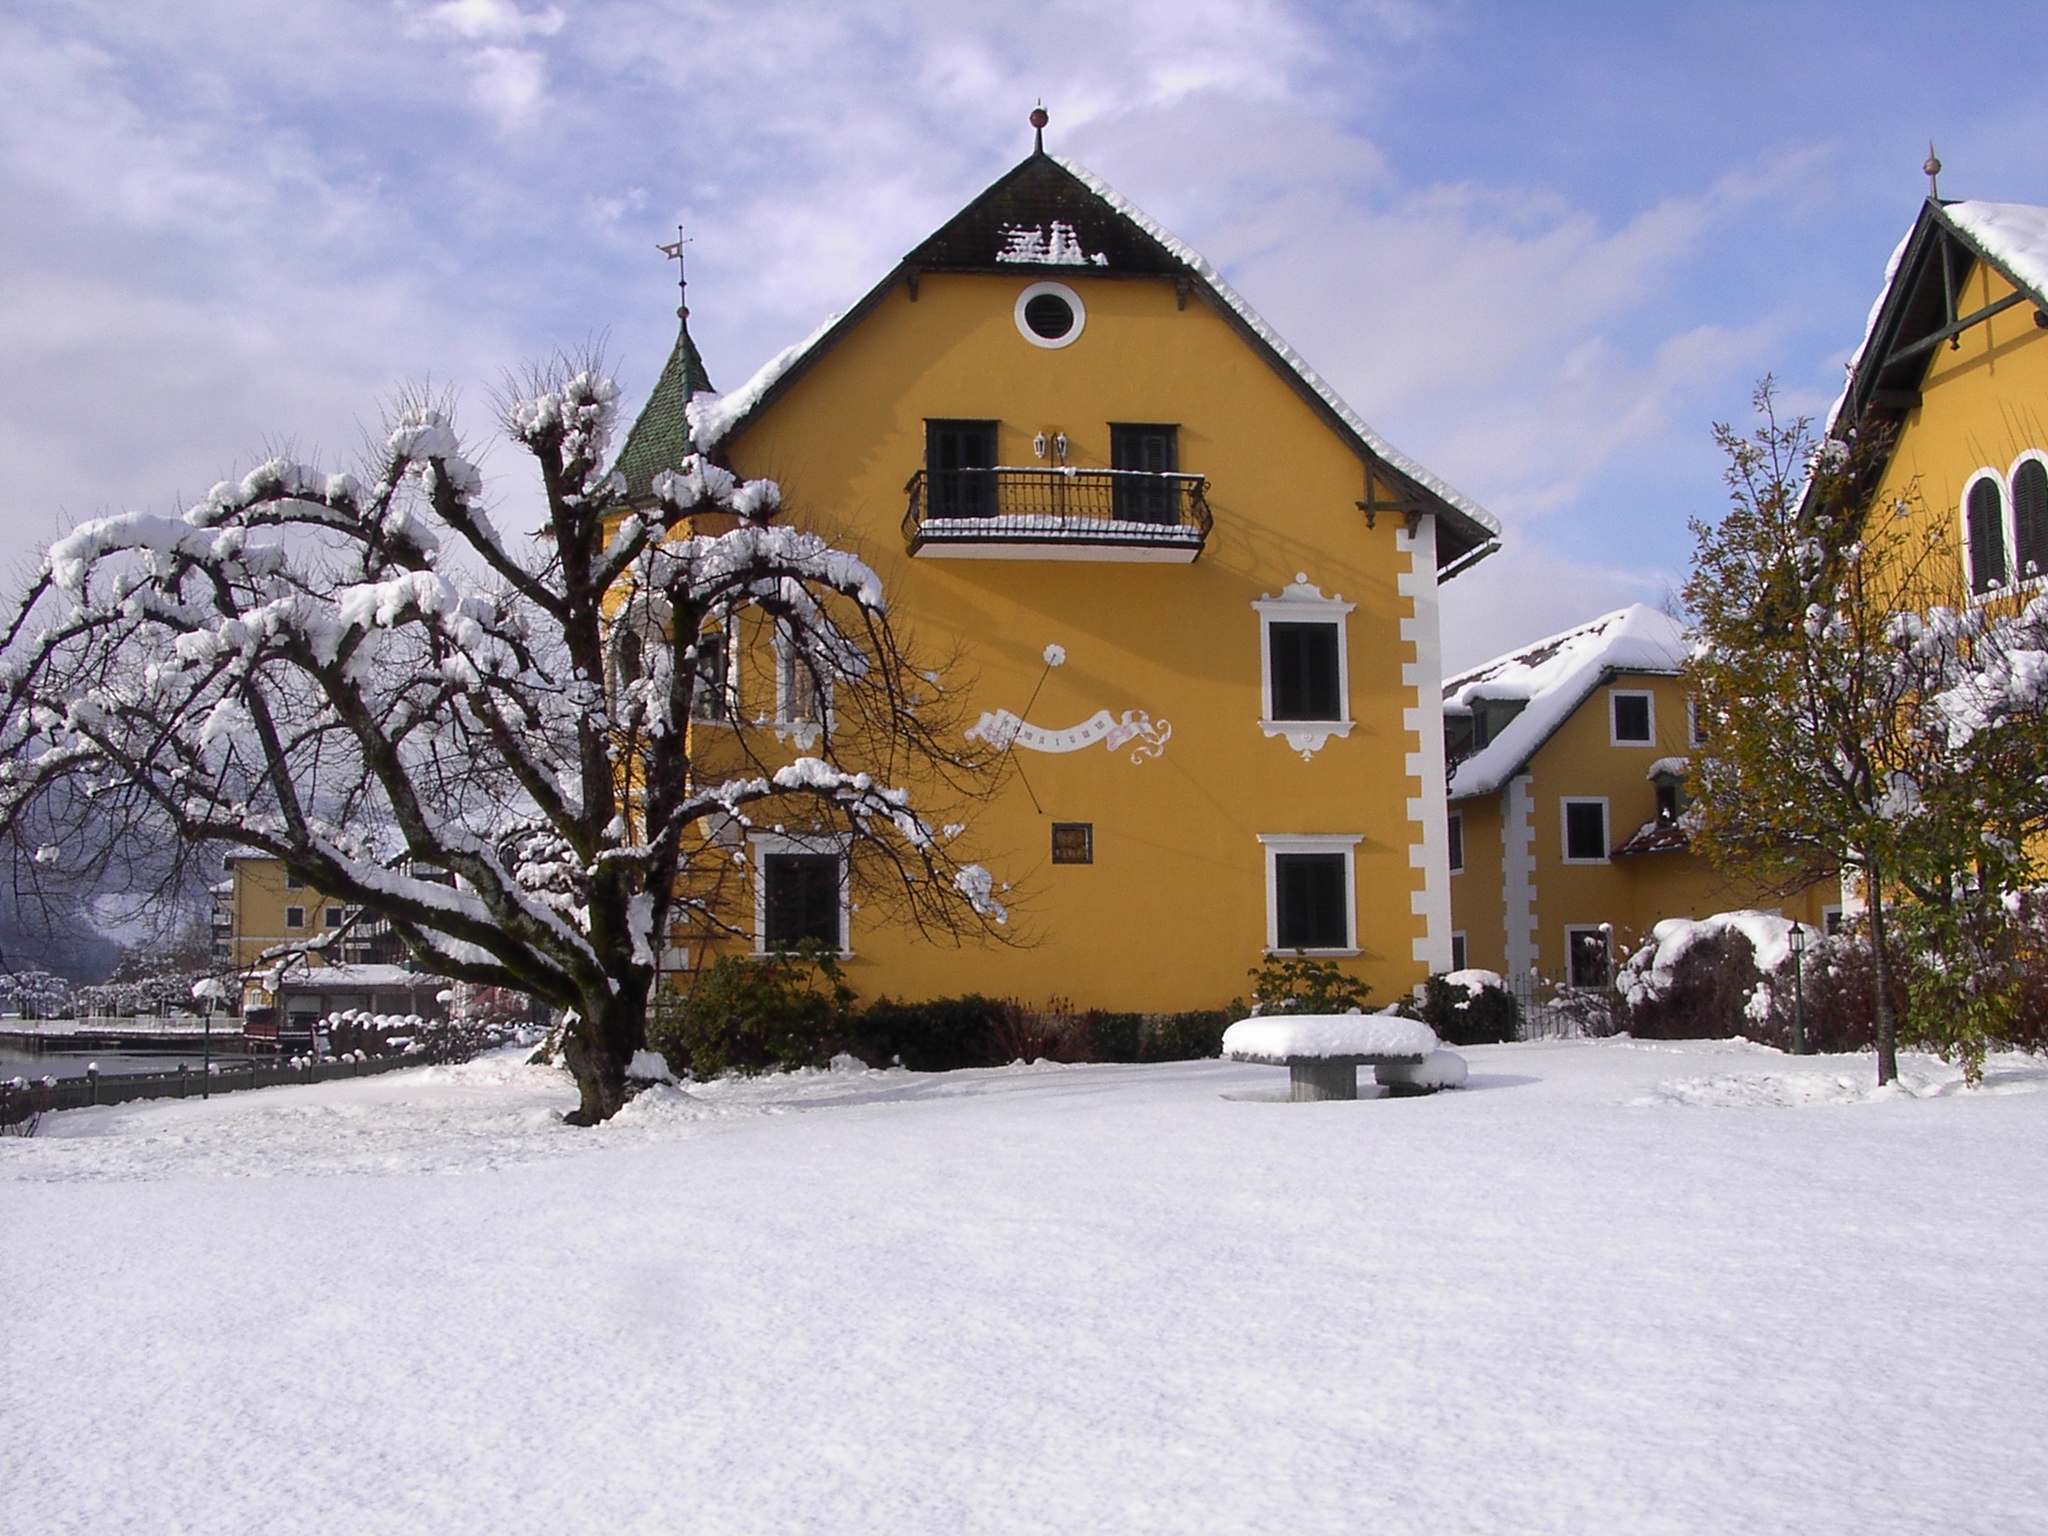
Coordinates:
<point>1057,514</point>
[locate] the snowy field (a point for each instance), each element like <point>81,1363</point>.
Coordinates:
<point>1609,1287</point>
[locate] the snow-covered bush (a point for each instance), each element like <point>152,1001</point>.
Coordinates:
<point>1732,974</point>
<point>1470,1007</point>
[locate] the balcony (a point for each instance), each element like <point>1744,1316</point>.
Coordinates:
<point>1056,514</point>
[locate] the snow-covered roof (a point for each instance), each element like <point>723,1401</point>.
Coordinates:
<point>329,978</point>
<point>1912,301</point>
<point>1554,676</point>
<point>1466,528</point>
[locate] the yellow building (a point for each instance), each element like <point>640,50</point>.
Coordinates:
<point>1187,587</point>
<point>1567,801</point>
<point>1955,363</point>
<point>261,908</point>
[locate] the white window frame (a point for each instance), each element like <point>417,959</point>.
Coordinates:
<point>731,720</point>
<point>1831,919</point>
<point>2012,522</point>
<point>1461,951</point>
<point>1606,936</point>
<point>1346,843</point>
<point>1302,602</point>
<point>762,844</point>
<point>1693,739</point>
<point>1458,842</point>
<point>804,733</point>
<point>1564,828</point>
<point>1614,737</point>
<point>2005,532</point>
<point>332,918</point>
<point>300,924</point>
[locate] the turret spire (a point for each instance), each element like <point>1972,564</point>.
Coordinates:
<point>1933,170</point>
<point>1039,119</point>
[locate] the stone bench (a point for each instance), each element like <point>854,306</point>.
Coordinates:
<point>1323,1052</point>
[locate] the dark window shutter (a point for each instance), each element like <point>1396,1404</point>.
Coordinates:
<point>1457,827</point>
<point>1309,893</point>
<point>1987,536</point>
<point>2030,512</point>
<point>959,459</point>
<point>802,899</point>
<point>1152,449</point>
<point>1305,680</point>
<point>1585,830</point>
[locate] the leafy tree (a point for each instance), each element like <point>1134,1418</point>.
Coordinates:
<point>361,676</point>
<point>1860,716</point>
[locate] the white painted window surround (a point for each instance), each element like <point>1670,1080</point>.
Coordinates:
<point>1290,842</point>
<point>762,844</point>
<point>1614,698</point>
<point>1302,602</point>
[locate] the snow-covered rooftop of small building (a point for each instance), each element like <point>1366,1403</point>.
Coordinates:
<point>1555,676</point>
<point>332,977</point>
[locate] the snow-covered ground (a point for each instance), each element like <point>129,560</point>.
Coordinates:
<point>1608,1287</point>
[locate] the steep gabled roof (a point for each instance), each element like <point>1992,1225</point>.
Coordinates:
<point>1046,217</point>
<point>1554,677</point>
<point>1915,311</point>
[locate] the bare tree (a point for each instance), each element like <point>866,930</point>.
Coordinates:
<point>359,675</point>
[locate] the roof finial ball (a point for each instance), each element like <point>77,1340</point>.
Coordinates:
<point>1038,121</point>
<point>1933,170</point>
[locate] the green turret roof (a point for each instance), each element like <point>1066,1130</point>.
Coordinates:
<point>660,438</point>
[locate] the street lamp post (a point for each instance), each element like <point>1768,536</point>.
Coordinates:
<point>1798,938</point>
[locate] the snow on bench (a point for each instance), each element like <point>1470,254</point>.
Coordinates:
<point>1323,1052</point>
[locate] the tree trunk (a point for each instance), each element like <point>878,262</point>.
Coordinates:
<point>1881,975</point>
<point>598,1050</point>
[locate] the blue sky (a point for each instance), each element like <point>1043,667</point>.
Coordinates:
<point>1540,248</point>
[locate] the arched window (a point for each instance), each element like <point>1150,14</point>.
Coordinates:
<point>2030,518</point>
<point>1986,512</point>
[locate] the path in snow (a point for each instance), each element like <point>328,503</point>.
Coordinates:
<point>1609,1287</point>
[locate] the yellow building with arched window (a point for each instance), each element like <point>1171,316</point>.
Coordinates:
<point>1194,596</point>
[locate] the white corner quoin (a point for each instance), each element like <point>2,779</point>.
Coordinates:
<point>1302,602</point>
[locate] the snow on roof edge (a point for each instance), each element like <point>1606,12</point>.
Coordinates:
<point>1637,638</point>
<point>1184,252</point>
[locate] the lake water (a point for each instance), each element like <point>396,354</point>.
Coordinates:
<point>15,1062</point>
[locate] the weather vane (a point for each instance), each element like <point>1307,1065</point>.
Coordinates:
<point>674,252</point>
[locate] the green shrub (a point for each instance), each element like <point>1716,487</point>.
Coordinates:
<point>754,1015</point>
<point>1193,1036</point>
<point>1468,1015</point>
<point>1297,984</point>
<point>1115,1036</point>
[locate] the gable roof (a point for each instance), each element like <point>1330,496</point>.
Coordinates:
<point>1555,676</point>
<point>1915,310</point>
<point>1048,217</point>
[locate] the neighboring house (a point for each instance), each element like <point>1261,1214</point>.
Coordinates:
<point>1567,802</point>
<point>1955,362</point>
<point>261,907</point>
<point>1053,428</point>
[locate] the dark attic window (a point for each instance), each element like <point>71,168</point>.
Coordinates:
<point>1632,718</point>
<point>1049,316</point>
<point>1987,537</point>
<point>2030,517</point>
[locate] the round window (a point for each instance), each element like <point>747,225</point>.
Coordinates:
<point>1050,315</point>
